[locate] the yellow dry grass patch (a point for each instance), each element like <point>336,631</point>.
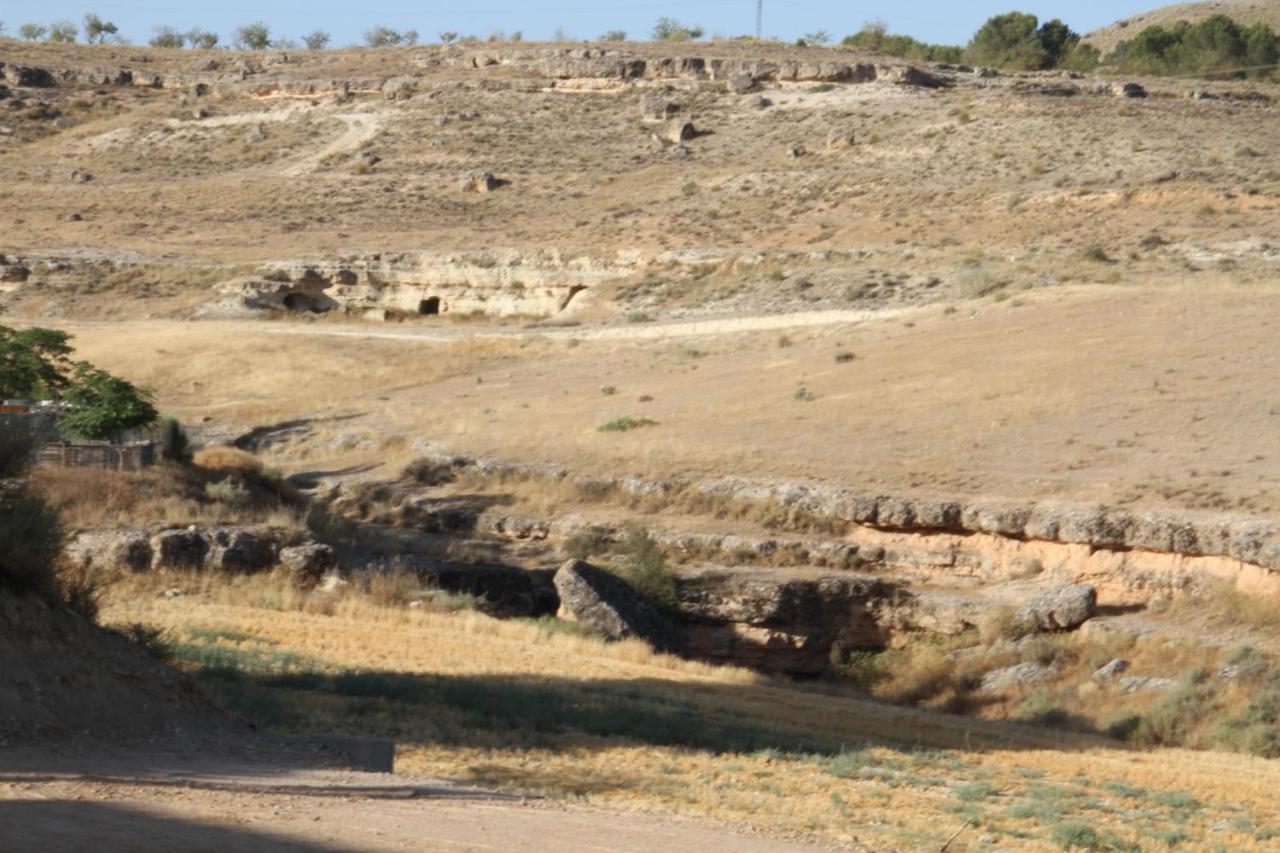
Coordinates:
<point>906,780</point>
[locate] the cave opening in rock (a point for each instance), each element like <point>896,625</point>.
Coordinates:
<point>430,305</point>
<point>300,302</point>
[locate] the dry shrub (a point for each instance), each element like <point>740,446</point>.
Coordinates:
<point>90,497</point>
<point>227,460</point>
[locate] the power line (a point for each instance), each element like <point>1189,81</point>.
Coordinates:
<point>759,17</point>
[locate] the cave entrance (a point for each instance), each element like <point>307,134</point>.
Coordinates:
<point>300,302</point>
<point>429,306</point>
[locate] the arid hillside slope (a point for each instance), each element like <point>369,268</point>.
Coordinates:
<point>1244,11</point>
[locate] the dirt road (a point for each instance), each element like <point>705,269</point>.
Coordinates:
<point>263,809</point>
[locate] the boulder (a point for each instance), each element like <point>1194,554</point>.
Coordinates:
<point>1128,90</point>
<point>839,139</point>
<point>247,551</point>
<point>909,75</point>
<point>307,564</point>
<point>1110,670</point>
<point>676,131</point>
<point>255,134</point>
<point>741,84</point>
<point>657,108</point>
<point>25,75</point>
<point>178,549</point>
<point>610,607</point>
<point>1059,609</point>
<point>80,176</point>
<point>479,182</point>
<point>400,88</point>
<point>1018,675</point>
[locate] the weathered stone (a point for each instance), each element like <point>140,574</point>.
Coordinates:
<point>1058,609</point>
<point>677,130</point>
<point>1110,670</point>
<point>179,549</point>
<point>80,176</point>
<point>1142,683</point>
<point>840,139</point>
<point>612,608</point>
<point>740,84</point>
<point>400,88</point>
<point>236,550</point>
<point>1018,675</point>
<point>657,108</point>
<point>307,564</point>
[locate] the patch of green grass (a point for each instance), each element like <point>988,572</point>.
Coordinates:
<point>1074,835</point>
<point>971,792</point>
<point>626,424</point>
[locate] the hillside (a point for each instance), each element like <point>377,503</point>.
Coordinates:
<point>1244,11</point>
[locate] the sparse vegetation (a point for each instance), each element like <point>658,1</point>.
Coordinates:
<point>626,423</point>
<point>669,29</point>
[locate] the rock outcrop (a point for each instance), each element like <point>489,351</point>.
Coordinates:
<point>610,607</point>
<point>1060,609</point>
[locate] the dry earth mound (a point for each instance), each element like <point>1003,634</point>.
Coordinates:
<point>65,676</point>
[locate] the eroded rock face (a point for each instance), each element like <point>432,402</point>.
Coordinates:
<point>1060,609</point>
<point>781,623</point>
<point>614,610</point>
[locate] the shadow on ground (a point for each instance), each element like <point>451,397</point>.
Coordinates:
<point>53,826</point>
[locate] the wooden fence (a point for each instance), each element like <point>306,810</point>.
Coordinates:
<point>115,457</point>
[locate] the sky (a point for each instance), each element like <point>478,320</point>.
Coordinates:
<point>940,21</point>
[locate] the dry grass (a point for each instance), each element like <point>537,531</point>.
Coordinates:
<point>227,460</point>
<point>89,499</point>
<point>742,748</point>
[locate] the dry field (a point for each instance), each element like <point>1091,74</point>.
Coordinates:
<point>530,709</point>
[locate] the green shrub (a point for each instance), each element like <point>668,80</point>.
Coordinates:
<point>626,424</point>
<point>1170,721</point>
<point>1074,834</point>
<point>874,37</point>
<point>639,562</point>
<point>1216,46</point>
<point>231,491</point>
<point>587,542</point>
<point>669,29</point>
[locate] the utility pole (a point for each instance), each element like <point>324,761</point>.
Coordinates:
<point>759,17</point>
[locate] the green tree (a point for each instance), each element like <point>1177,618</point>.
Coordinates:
<point>96,30</point>
<point>167,37</point>
<point>33,362</point>
<point>33,32</point>
<point>255,36</point>
<point>63,32</point>
<point>317,40</point>
<point>669,29</point>
<point>202,39</point>
<point>1010,40</point>
<point>103,407</point>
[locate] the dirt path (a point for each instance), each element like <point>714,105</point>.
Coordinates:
<point>429,333</point>
<point>155,805</point>
<point>361,127</point>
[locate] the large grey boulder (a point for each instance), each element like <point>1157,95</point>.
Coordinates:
<point>594,597</point>
<point>1058,609</point>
